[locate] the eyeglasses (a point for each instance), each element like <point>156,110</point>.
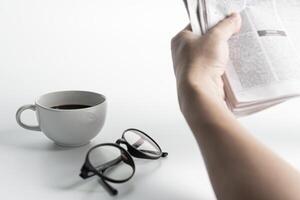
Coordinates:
<point>112,163</point>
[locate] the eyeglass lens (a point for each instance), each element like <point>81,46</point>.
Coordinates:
<point>108,160</point>
<point>142,142</point>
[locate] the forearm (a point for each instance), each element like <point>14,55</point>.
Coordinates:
<point>238,165</point>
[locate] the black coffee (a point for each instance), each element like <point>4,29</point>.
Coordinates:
<point>70,106</point>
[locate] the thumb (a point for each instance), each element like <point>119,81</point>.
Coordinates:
<point>227,27</point>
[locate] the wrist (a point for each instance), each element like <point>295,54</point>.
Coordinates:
<point>204,83</point>
<point>200,108</point>
<point>203,94</point>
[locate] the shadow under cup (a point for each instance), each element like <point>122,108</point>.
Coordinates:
<point>68,126</point>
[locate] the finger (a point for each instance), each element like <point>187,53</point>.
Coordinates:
<point>227,27</point>
<point>187,28</point>
<point>184,32</point>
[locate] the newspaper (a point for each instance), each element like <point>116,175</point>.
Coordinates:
<point>289,11</point>
<point>264,69</point>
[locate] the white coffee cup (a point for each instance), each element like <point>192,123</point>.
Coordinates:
<point>68,127</point>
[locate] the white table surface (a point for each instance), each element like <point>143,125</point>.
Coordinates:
<point>120,49</point>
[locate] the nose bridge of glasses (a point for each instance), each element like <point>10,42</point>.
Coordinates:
<point>121,141</point>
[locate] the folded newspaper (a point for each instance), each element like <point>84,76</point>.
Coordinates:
<point>264,69</point>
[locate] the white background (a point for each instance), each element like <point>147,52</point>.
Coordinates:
<point>122,50</point>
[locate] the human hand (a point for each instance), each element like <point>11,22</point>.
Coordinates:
<point>200,61</point>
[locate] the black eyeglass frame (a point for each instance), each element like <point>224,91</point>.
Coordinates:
<point>88,170</point>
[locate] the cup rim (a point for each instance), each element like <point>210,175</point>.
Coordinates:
<point>69,110</point>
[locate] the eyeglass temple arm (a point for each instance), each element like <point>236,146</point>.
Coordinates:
<point>109,164</point>
<point>164,154</point>
<point>85,174</point>
<point>111,190</point>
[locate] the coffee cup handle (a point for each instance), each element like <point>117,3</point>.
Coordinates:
<point>19,121</point>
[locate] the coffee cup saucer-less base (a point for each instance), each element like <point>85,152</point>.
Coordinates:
<point>71,146</point>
